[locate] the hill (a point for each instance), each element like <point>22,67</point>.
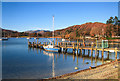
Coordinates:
<point>88,29</point>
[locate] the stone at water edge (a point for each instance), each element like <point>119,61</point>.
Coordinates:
<point>76,68</point>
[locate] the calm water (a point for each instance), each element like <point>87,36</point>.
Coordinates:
<point>21,62</point>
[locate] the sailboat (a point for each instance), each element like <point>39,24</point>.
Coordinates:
<point>52,47</point>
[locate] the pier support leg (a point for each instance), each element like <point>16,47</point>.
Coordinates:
<point>91,52</point>
<point>88,53</point>
<point>97,54</point>
<point>108,55</point>
<point>83,52</point>
<point>102,55</point>
<point>77,52</point>
<point>73,51</point>
<point>65,50</point>
<point>115,53</point>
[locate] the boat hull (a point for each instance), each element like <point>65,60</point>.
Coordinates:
<point>52,49</point>
<point>4,39</point>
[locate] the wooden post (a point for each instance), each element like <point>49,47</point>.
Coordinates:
<point>91,52</point>
<point>116,53</point>
<point>56,42</point>
<point>53,42</point>
<point>83,52</point>
<point>37,40</point>
<point>102,54</point>
<point>60,43</point>
<point>65,47</point>
<point>73,48</point>
<point>96,43</point>
<point>88,52</point>
<point>33,44</point>
<point>83,43</point>
<point>97,54</point>
<point>80,44</point>
<point>77,47</point>
<point>108,55</point>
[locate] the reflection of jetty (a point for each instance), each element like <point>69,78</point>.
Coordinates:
<point>80,47</point>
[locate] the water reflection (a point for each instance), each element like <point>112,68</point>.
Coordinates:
<point>53,64</point>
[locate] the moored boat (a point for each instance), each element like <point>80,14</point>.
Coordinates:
<point>5,38</point>
<point>51,48</point>
<point>28,38</point>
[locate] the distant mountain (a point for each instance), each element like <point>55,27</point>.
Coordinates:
<point>37,31</point>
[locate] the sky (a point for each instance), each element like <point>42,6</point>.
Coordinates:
<point>23,16</point>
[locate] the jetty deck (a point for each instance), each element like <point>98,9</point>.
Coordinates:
<point>82,46</point>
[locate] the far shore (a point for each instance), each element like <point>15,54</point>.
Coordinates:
<point>105,71</point>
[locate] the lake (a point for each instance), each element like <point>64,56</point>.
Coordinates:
<point>21,62</point>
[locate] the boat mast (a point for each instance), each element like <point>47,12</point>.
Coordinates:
<point>53,30</point>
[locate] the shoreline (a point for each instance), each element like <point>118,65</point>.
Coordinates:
<point>111,70</point>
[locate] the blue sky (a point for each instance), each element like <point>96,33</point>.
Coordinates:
<point>22,16</point>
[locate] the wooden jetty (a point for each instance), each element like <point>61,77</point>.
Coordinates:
<point>81,47</point>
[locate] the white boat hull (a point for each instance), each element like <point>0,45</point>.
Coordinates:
<point>51,48</point>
